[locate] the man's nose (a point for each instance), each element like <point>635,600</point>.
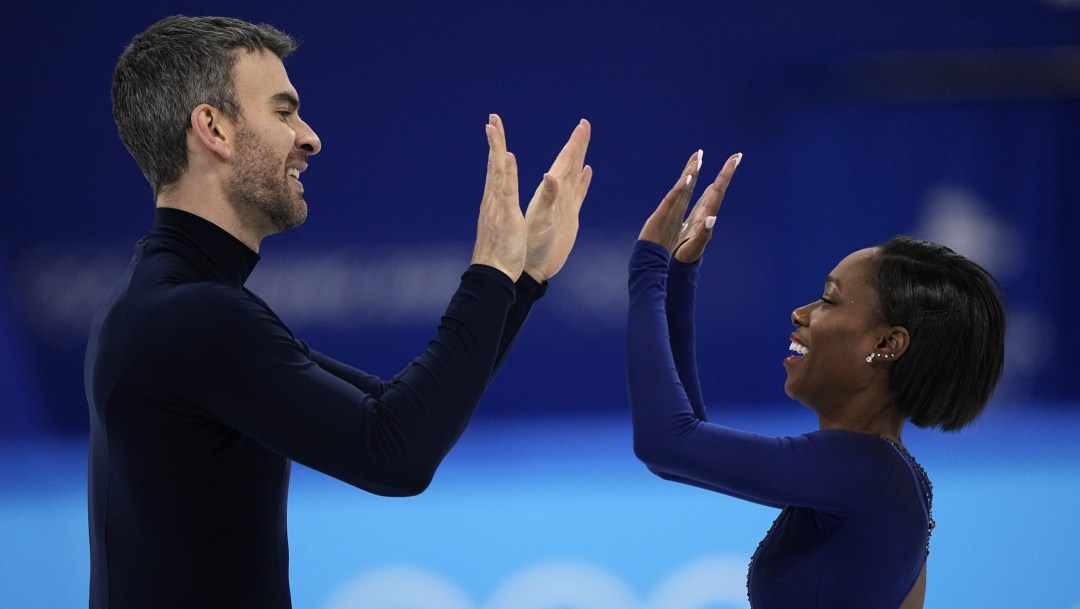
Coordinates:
<point>307,139</point>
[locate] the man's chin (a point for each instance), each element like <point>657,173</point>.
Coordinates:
<point>288,221</point>
<point>302,211</point>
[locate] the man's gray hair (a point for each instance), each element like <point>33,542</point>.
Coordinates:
<point>168,70</point>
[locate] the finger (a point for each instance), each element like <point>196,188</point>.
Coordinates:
<point>496,155</point>
<point>578,189</point>
<point>496,121</point>
<point>684,188</point>
<point>671,199</point>
<point>583,187</point>
<point>499,136</point>
<point>727,171</point>
<point>572,155</point>
<point>510,183</point>
<point>693,166</point>
<point>490,178</point>
<point>546,193</point>
<point>714,195</point>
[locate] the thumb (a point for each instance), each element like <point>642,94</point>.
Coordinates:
<point>546,192</point>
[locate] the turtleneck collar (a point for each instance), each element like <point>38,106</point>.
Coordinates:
<point>222,257</point>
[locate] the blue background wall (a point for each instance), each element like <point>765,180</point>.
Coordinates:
<point>854,126</point>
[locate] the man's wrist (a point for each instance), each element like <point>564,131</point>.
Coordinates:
<point>537,275</point>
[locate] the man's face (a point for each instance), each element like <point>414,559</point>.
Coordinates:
<point>271,146</point>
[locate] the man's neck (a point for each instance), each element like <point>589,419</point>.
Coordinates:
<point>212,205</point>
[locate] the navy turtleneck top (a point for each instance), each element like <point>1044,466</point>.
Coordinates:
<point>855,523</point>
<point>200,396</point>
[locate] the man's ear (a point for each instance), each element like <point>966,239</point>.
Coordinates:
<point>212,130</point>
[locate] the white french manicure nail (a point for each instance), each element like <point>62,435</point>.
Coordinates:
<point>738,159</point>
<point>700,155</point>
<point>710,221</point>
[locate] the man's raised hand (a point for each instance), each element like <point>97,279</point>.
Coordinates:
<point>552,217</point>
<point>500,229</point>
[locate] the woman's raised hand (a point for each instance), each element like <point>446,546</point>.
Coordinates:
<point>686,239</point>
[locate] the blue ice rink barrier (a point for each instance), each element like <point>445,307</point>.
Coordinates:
<point>557,514</point>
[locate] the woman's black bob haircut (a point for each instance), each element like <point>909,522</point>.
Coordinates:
<point>953,313</point>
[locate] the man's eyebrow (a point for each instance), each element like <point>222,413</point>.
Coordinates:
<point>286,97</point>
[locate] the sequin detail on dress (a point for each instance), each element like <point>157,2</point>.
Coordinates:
<point>924,482</point>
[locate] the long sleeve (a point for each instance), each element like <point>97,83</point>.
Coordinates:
<point>818,469</point>
<point>259,380</point>
<point>681,290</point>
<point>527,291</point>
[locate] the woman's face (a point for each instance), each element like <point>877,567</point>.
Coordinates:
<point>834,335</point>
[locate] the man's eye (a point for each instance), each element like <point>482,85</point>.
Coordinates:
<point>285,113</point>
<point>825,300</point>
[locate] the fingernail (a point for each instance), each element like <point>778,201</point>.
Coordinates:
<point>710,221</point>
<point>700,155</point>
<point>738,159</point>
<point>687,182</point>
<point>491,119</point>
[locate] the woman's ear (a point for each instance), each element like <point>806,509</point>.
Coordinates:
<point>212,130</point>
<point>894,342</point>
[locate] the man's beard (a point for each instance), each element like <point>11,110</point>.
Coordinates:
<point>259,188</point>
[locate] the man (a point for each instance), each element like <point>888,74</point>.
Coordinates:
<point>200,396</point>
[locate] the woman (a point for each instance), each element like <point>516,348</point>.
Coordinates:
<point>904,331</point>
